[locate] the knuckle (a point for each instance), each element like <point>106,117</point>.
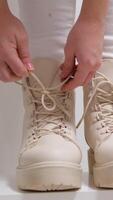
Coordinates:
<point>92,62</point>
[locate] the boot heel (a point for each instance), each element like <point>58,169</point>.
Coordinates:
<point>90,161</point>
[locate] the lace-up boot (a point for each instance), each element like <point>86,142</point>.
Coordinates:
<point>50,156</point>
<point>98,103</point>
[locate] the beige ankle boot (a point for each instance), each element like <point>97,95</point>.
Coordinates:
<point>98,114</point>
<point>50,156</point>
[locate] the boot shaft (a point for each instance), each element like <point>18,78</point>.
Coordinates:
<point>34,98</point>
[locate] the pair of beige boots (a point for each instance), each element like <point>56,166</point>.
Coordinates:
<point>50,155</point>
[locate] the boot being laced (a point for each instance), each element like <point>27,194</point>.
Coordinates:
<point>50,156</point>
<point>53,115</point>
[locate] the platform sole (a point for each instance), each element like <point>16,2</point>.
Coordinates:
<point>102,175</point>
<point>49,177</point>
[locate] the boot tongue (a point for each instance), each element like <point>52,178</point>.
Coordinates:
<point>47,70</point>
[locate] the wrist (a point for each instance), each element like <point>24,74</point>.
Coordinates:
<point>91,20</point>
<point>94,11</point>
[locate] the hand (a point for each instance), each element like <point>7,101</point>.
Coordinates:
<point>14,52</point>
<point>84,43</point>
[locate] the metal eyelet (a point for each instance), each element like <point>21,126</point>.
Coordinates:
<point>103,125</point>
<point>60,126</point>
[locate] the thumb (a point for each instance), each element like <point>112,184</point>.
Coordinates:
<point>23,51</point>
<point>68,65</point>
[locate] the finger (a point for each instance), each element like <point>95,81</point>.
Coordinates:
<point>68,64</point>
<point>78,80</point>
<point>89,77</point>
<point>6,74</point>
<point>72,73</point>
<point>14,62</point>
<point>23,51</point>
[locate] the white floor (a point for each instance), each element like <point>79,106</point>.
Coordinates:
<point>8,191</point>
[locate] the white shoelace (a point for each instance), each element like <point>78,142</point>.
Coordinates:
<point>48,96</point>
<point>105,111</point>
<point>104,95</point>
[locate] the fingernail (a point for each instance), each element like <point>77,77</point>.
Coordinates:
<point>29,66</point>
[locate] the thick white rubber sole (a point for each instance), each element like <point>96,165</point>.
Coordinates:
<point>49,177</point>
<point>102,174</point>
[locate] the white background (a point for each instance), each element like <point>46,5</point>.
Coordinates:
<point>11,120</point>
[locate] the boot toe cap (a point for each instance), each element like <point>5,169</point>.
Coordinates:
<point>104,153</point>
<point>51,149</point>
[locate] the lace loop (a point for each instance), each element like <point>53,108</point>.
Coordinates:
<point>45,91</point>
<point>52,100</point>
<point>46,122</point>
